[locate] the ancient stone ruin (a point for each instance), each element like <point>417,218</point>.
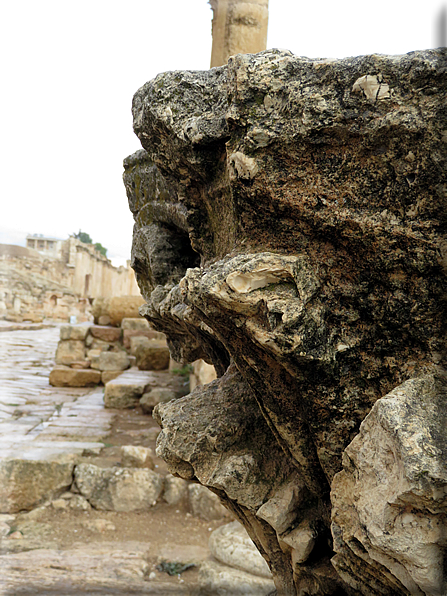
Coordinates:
<point>290,218</point>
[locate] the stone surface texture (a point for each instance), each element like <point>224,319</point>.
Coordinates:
<point>290,218</point>
<point>231,545</point>
<point>118,489</point>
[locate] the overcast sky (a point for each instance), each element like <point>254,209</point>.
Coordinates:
<point>70,69</point>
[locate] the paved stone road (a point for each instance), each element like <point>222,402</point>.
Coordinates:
<point>36,420</point>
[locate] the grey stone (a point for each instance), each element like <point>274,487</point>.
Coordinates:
<point>134,456</point>
<point>111,361</point>
<point>118,489</point>
<point>69,351</point>
<point>281,510</point>
<point>134,324</point>
<point>302,540</point>
<point>391,496</point>
<point>153,355</point>
<point>205,504</point>
<point>290,226</point>
<point>155,396</point>
<point>76,332</point>
<point>231,545</point>
<point>25,483</point>
<point>216,579</point>
<point>175,490</point>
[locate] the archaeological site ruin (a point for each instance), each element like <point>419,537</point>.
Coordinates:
<point>290,229</point>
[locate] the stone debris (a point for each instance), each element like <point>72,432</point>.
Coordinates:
<point>232,546</point>
<point>153,355</point>
<point>125,391</point>
<point>216,579</point>
<point>118,489</point>
<point>133,456</point>
<point>175,491</point>
<point>205,504</point>
<point>155,396</point>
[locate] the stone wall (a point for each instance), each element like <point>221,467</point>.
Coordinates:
<point>290,219</point>
<point>35,286</point>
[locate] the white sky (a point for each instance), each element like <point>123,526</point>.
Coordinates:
<point>70,69</point>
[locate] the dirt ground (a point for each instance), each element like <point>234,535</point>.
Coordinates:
<point>171,533</point>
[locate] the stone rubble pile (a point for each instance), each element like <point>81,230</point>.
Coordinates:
<point>89,355</point>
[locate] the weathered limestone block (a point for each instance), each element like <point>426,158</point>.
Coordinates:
<point>231,545</point>
<point>290,230</point>
<point>64,376</point>
<point>123,307</point>
<point>118,489</point>
<point>135,324</point>
<point>155,396</point>
<point>114,310</point>
<point>205,504</point>
<point>132,335</point>
<point>153,355</point>
<point>25,483</point>
<point>125,391</point>
<point>75,332</point>
<point>216,579</point>
<point>390,501</point>
<point>175,490</point>
<point>134,456</point>
<point>111,361</point>
<point>69,351</point>
<point>109,375</point>
<point>107,334</point>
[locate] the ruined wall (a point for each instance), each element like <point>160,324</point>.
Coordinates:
<point>35,286</point>
<point>290,219</point>
<point>93,275</point>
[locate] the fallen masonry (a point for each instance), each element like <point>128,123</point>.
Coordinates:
<point>290,218</point>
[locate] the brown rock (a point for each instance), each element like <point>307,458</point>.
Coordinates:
<point>128,334</point>
<point>111,361</point>
<point>109,375</point>
<point>104,320</point>
<point>124,307</point>
<point>138,324</point>
<point>63,376</point>
<point>69,351</point>
<point>153,356</point>
<point>107,334</point>
<point>80,364</point>
<point>76,332</point>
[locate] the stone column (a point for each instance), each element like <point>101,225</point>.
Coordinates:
<point>239,27</point>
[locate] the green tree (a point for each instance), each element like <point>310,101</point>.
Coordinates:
<point>100,248</point>
<point>83,237</point>
<point>86,239</point>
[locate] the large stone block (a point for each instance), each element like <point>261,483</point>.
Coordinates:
<point>69,351</point>
<point>125,391</point>
<point>153,355</point>
<point>124,307</point>
<point>135,324</point>
<point>64,376</point>
<point>128,334</point>
<point>231,545</point>
<point>216,579</point>
<point>107,334</point>
<point>111,361</point>
<point>204,503</point>
<point>25,483</point>
<point>118,489</point>
<point>75,332</point>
